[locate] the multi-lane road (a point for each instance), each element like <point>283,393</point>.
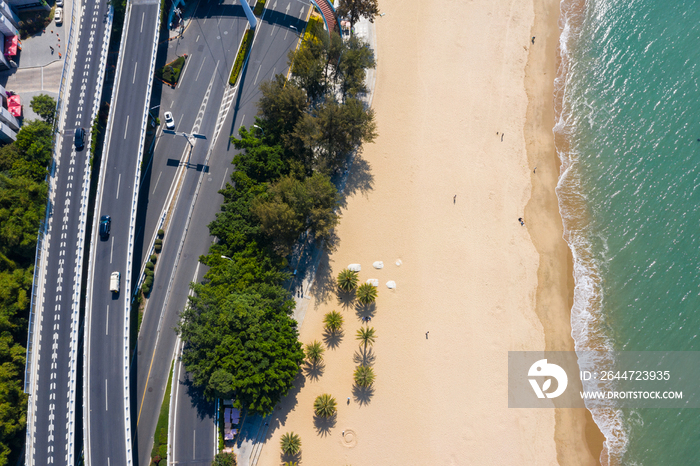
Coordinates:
<point>188,237</point>
<point>54,414</point>
<point>203,102</point>
<point>108,437</point>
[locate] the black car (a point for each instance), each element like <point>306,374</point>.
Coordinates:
<point>105,224</point>
<point>79,138</point>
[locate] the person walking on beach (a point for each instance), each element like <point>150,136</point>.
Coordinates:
<point>502,134</point>
<point>521,221</point>
<point>533,40</point>
<point>454,199</point>
<point>426,334</point>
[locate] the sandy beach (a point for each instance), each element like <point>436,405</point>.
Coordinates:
<point>463,102</point>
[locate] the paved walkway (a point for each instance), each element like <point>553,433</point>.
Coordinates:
<point>39,68</point>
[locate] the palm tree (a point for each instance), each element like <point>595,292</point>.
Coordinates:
<point>333,321</point>
<point>314,352</point>
<point>347,280</point>
<point>366,293</point>
<point>290,443</point>
<point>325,405</point>
<point>367,336</point>
<point>364,376</point>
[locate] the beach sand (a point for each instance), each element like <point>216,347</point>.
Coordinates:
<point>449,77</point>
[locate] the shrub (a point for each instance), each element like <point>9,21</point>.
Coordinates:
<point>154,258</point>
<point>366,293</point>
<point>290,443</point>
<point>163,450</point>
<point>259,6</point>
<point>161,233</point>
<point>149,266</point>
<point>347,280</point>
<point>158,248</point>
<point>148,282</point>
<point>325,405</point>
<point>241,56</point>
<point>149,273</point>
<point>156,459</point>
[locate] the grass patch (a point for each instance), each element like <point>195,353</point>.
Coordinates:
<point>170,73</point>
<point>32,22</point>
<point>259,6</point>
<point>242,54</point>
<point>160,440</point>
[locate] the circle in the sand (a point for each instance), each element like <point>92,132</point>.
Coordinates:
<point>378,265</point>
<point>398,263</point>
<point>391,284</point>
<point>349,438</point>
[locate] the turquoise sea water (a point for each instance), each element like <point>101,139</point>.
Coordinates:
<point>628,94</point>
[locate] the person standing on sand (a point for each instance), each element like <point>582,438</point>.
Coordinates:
<point>521,221</point>
<point>454,199</point>
<point>533,40</point>
<point>502,134</point>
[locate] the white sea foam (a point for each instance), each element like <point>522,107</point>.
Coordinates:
<point>588,295</point>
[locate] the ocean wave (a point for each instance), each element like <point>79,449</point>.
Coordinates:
<point>586,312</point>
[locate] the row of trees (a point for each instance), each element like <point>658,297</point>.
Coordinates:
<point>23,169</point>
<point>240,339</point>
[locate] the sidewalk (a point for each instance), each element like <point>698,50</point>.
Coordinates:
<point>39,68</point>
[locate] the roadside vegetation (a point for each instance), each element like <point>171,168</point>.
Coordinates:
<point>23,191</point>
<point>240,340</point>
<point>259,7</point>
<point>170,73</point>
<point>159,453</point>
<point>246,44</point>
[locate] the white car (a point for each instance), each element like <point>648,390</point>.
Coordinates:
<point>114,282</point>
<point>169,121</point>
<point>58,15</point>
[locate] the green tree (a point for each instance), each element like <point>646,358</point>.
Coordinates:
<point>364,376</point>
<point>224,459</point>
<point>366,293</point>
<point>22,206</point>
<point>290,443</point>
<point>333,321</point>
<point>314,352</point>
<point>341,129</point>
<point>35,142</point>
<point>367,336</point>
<point>281,105</point>
<point>347,280</point>
<point>44,106</point>
<point>325,406</point>
<point>357,57</point>
<point>353,10</point>
<point>248,334</point>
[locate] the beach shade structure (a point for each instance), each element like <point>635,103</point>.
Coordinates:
<point>355,267</point>
<point>378,265</point>
<point>391,284</point>
<point>373,281</point>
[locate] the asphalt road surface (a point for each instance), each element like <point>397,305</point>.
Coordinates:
<point>106,418</point>
<point>52,436</point>
<point>187,239</point>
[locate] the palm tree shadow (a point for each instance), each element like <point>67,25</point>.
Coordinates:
<point>365,311</point>
<point>314,371</point>
<point>364,358</point>
<point>345,299</point>
<point>290,458</point>
<point>324,425</point>
<point>332,339</point>
<point>360,179</point>
<point>362,395</point>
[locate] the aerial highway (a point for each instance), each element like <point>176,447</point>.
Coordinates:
<point>277,33</point>
<point>53,414</point>
<point>107,416</point>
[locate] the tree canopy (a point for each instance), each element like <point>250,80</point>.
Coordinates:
<point>44,106</point>
<point>353,10</point>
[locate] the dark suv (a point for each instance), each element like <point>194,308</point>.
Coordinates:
<point>105,224</point>
<point>79,138</point>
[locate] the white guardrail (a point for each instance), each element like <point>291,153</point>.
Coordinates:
<point>36,315</point>
<point>132,222</point>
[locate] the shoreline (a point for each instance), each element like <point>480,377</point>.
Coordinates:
<point>578,439</point>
